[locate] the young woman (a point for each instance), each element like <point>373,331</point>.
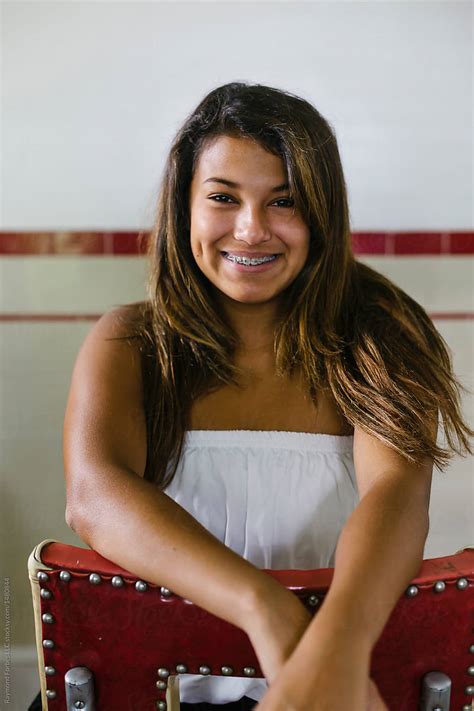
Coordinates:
<point>274,403</point>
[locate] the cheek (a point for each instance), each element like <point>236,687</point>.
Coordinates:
<point>208,225</point>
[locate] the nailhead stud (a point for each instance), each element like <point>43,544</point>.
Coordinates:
<point>411,591</point>
<point>141,586</point>
<point>43,577</point>
<point>65,576</point>
<point>227,671</point>
<point>161,705</point>
<point>47,618</point>
<point>181,668</point>
<point>48,643</point>
<point>313,600</point>
<point>95,578</point>
<point>249,671</point>
<point>467,707</point>
<point>117,581</point>
<point>163,673</point>
<point>469,690</point>
<point>161,684</point>
<point>50,694</point>
<point>470,671</point>
<point>471,649</point>
<point>204,669</point>
<point>46,594</point>
<point>462,583</point>
<point>439,586</point>
<point>49,671</point>
<point>80,705</point>
<point>165,592</point>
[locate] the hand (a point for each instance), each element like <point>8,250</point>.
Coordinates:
<point>374,700</point>
<point>275,627</point>
<point>275,701</point>
<point>327,671</point>
<point>334,686</point>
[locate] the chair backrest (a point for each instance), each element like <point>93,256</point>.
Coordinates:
<point>94,619</point>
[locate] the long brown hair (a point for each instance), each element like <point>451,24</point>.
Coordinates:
<point>347,327</point>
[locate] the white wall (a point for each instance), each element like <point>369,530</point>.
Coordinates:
<point>92,93</point>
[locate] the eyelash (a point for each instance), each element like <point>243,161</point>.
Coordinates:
<point>221,195</point>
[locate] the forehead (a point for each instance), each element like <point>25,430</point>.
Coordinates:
<point>238,159</point>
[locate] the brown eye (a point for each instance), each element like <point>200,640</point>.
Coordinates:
<point>220,198</point>
<point>287,202</point>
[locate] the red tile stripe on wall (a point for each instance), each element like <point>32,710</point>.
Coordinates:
<point>134,243</point>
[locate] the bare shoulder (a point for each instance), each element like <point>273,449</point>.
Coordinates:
<point>105,418</point>
<point>120,322</point>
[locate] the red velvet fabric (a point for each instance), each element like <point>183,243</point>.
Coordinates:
<point>123,636</point>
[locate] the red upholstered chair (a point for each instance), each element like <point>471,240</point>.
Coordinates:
<point>106,640</point>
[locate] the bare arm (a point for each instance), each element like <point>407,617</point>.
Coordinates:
<point>128,519</point>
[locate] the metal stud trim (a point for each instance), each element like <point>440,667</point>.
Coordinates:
<point>411,591</point>
<point>48,643</point>
<point>95,578</point>
<point>469,690</point>
<point>161,705</point>
<point>50,694</point>
<point>141,586</point>
<point>467,707</point>
<point>49,671</point>
<point>471,649</point>
<point>47,618</point>
<point>204,670</point>
<point>163,673</point>
<point>439,586</point>
<point>470,671</point>
<point>181,668</point>
<point>65,576</point>
<point>462,583</point>
<point>249,671</point>
<point>165,592</point>
<point>80,705</point>
<point>42,576</point>
<point>161,684</point>
<point>46,594</point>
<point>227,671</point>
<point>313,600</point>
<point>117,581</point>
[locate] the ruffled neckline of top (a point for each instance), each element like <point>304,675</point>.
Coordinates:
<point>270,439</point>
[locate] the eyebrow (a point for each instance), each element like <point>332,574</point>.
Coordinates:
<point>231,184</point>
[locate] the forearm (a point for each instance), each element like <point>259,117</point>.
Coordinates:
<point>380,550</point>
<point>132,523</point>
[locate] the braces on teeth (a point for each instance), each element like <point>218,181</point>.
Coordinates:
<point>250,261</point>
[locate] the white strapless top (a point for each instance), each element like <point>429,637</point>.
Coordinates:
<point>279,499</point>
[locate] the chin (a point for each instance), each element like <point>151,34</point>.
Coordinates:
<point>251,298</point>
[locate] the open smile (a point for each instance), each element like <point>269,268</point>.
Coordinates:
<point>250,262</point>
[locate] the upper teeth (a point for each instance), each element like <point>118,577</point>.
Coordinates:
<point>250,260</point>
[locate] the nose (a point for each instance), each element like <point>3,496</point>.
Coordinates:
<point>251,227</point>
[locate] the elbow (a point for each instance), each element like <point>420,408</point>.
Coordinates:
<point>79,525</point>
<point>70,518</point>
<point>76,521</point>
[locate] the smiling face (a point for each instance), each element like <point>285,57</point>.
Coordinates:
<point>241,210</point>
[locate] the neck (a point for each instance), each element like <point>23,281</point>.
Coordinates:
<point>255,325</point>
